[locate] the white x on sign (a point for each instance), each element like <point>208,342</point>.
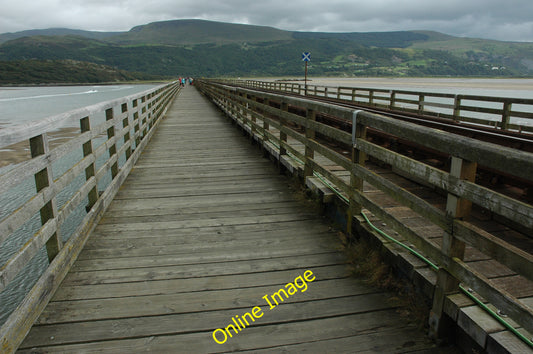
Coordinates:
<point>306,56</point>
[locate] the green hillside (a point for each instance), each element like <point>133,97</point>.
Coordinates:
<point>206,48</point>
<point>56,32</point>
<point>193,32</point>
<point>63,71</point>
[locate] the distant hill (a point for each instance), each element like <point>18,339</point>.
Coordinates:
<point>207,48</point>
<point>192,32</point>
<point>63,72</point>
<point>56,32</point>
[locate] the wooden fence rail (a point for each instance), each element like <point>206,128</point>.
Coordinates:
<point>268,116</point>
<point>496,112</point>
<point>128,126</point>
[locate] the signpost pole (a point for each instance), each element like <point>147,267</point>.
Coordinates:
<point>306,57</point>
<point>306,78</point>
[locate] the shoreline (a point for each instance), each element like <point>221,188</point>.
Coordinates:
<point>59,84</point>
<point>20,152</point>
<point>434,82</point>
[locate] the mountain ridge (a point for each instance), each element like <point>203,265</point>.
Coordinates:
<point>210,48</point>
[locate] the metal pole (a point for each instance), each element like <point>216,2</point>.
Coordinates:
<point>306,77</point>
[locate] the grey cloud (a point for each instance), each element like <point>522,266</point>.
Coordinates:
<point>473,18</point>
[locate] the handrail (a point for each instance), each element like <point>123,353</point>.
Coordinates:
<point>490,111</point>
<point>109,150</point>
<point>268,116</point>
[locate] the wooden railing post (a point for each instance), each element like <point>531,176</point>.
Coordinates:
<point>266,127</point>
<point>282,135</point>
<point>506,115</point>
<point>457,108</point>
<point>309,134</point>
<point>421,99</point>
<point>253,119</point>
<point>456,208</point>
<point>392,100</point>
<point>356,182</point>
<point>85,126</point>
<point>125,124</point>
<point>43,179</point>
<point>110,135</point>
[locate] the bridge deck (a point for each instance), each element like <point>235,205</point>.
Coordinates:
<point>201,231</point>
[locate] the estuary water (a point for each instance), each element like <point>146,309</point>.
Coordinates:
<point>514,88</point>
<point>509,88</point>
<point>20,105</point>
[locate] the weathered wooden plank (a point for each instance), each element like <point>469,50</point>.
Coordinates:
<point>165,281</point>
<point>151,209</point>
<point>252,337</point>
<point>318,243</point>
<point>170,323</point>
<point>19,323</point>
<point>215,277</point>
<point>508,303</point>
<point>154,305</point>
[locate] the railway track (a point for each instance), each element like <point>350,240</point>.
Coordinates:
<point>500,181</point>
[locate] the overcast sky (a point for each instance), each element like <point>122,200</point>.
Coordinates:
<point>495,19</point>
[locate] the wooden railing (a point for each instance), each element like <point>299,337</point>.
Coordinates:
<point>269,118</point>
<point>109,150</point>
<point>514,114</point>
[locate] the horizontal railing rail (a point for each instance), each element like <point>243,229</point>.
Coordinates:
<point>273,117</point>
<point>107,152</point>
<point>514,114</point>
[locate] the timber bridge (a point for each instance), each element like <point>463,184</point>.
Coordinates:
<point>170,232</point>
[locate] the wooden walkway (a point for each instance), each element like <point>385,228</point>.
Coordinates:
<point>203,231</point>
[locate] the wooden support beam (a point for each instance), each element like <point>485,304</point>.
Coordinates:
<point>309,153</point>
<point>456,208</point>
<point>85,126</point>
<point>356,182</point>
<point>44,179</point>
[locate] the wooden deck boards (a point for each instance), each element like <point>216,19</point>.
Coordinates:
<point>203,229</point>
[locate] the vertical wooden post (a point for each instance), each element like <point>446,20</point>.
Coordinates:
<point>392,100</point>
<point>457,108</point>
<point>125,124</point>
<point>110,135</point>
<point>353,94</point>
<point>85,126</point>
<point>421,99</point>
<point>371,97</point>
<point>456,208</point>
<point>356,183</point>
<point>506,115</point>
<point>242,111</point>
<point>136,128</point>
<point>282,136</point>
<point>309,153</point>
<point>43,179</point>
<point>266,126</point>
<point>253,118</point>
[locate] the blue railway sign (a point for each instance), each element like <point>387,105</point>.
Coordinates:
<point>306,56</point>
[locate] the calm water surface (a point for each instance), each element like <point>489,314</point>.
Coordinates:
<point>21,105</point>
